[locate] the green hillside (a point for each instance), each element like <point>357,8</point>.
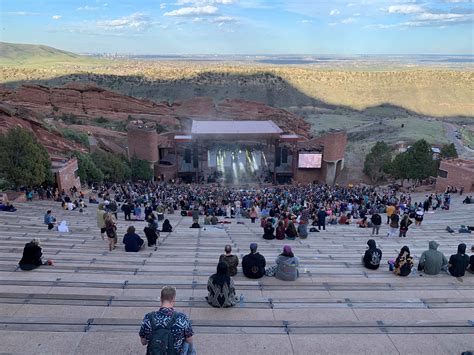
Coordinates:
<point>30,55</point>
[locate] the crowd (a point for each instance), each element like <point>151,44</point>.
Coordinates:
<point>288,212</point>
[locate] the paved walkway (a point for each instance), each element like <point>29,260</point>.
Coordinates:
<point>92,301</point>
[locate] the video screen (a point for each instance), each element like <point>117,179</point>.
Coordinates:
<point>310,161</point>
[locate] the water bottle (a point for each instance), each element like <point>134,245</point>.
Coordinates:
<point>241,300</point>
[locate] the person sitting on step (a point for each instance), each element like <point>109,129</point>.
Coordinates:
<point>253,264</point>
<point>372,256</point>
<point>166,228</point>
<point>459,262</point>
<point>32,254</point>
<point>404,262</point>
<point>221,289</point>
<point>268,231</point>
<point>230,259</point>
<point>432,261</point>
<point>132,241</point>
<point>286,267</point>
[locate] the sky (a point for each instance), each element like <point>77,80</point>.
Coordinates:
<point>342,27</point>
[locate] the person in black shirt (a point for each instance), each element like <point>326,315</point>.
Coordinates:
<point>132,241</point>
<point>268,231</point>
<point>166,228</point>
<point>127,209</point>
<point>376,222</point>
<point>253,264</point>
<point>458,263</point>
<point>31,258</point>
<point>372,256</point>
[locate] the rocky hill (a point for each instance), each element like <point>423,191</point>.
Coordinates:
<point>90,109</point>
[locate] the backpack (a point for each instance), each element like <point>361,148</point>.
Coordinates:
<point>162,342</point>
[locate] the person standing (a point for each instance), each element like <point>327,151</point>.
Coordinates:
<point>404,224</point>
<point>394,225</point>
<point>322,218</point>
<point>376,222</point>
<point>110,230</point>
<point>101,220</point>
<point>166,326</point>
<point>390,211</point>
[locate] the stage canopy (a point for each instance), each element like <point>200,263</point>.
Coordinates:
<point>254,128</point>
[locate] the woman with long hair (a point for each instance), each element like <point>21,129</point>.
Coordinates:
<point>291,232</point>
<point>111,230</point>
<point>404,262</point>
<point>221,289</point>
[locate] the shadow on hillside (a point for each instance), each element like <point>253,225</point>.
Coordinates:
<point>264,87</point>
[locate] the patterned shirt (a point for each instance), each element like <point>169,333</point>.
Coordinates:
<point>181,329</point>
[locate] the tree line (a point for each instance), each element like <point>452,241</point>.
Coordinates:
<point>24,162</point>
<point>416,163</point>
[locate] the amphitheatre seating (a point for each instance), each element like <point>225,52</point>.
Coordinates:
<point>92,301</point>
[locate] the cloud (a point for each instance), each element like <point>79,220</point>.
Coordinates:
<point>137,22</point>
<point>56,17</point>
<point>224,19</point>
<point>348,21</point>
<point>405,9</point>
<point>205,2</point>
<point>207,10</point>
<point>305,21</point>
<point>88,8</point>
<point>163,6</point>
<point>334,12</point>
<point>22,13</point>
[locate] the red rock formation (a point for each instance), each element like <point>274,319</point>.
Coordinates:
<point>88,102</point>
<point>11,116</point>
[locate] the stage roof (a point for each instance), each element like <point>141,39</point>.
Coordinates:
<point>235,127</point>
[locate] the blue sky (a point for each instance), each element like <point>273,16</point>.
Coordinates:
<point>242,26</point>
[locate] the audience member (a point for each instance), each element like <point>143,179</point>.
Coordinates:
<point>372,256</point>
<point>458,263</point>
<point>49,220</point>
<point>432,261</point>
<point>286,267</point>
<point>230,259</point>
<point>404,262</point>
<point>221,289</point>
<point>166,228</point>
<point>132,241</point>
<point>31,258</point>
<point>253,264</point>
<point>280,231</point>
<point>159,326</point>
<point>268,231</point>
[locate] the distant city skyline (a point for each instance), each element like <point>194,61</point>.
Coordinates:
<point>238,27</point>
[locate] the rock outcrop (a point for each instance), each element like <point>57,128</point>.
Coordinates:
<point>11,116</point>
<point>31,104</point>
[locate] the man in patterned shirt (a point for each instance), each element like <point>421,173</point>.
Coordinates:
<point>181,330</point>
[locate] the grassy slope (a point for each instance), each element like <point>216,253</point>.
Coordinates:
<point>36,56</point>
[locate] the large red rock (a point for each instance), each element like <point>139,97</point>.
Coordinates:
<point>30,104</point>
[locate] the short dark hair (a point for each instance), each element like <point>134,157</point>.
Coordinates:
<point>168,293</point>
<point>48,211</point>
<point>130,230</point>
<point>228,248</point>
